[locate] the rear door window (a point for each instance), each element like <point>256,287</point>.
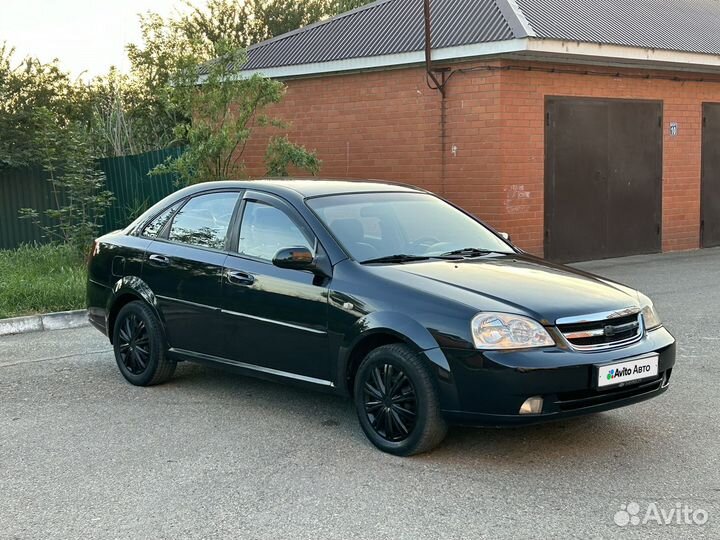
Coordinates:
<point>204,220</point>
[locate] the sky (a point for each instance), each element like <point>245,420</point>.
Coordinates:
<point>87,36</point>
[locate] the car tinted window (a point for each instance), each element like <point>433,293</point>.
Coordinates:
<point>204,220</point>
<point>375,225</point>
<point>153,228</point>
<point>265,230</point>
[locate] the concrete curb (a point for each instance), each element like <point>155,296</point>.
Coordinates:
<point>48,321</point>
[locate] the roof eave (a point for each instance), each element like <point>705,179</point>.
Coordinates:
<point>387,61</point>
<point>608,54</point>
<point>529,47</point>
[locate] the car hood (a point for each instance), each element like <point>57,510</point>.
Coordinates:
<point>518,284</point>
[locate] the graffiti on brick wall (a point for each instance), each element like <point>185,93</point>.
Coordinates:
<point>517,199</point>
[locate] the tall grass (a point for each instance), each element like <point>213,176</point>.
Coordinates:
<point>41,279</point>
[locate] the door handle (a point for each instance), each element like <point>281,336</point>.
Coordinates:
<point>159,260</point>
<point>240,278</point>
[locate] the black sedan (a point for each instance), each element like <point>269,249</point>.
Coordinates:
<point>386,293</point>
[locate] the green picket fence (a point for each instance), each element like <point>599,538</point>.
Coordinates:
<point>127,178</point>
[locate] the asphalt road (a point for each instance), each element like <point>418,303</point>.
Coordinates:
<point>83,454</point>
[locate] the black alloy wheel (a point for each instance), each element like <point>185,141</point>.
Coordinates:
<point>134,344</point>
<point>390,402</point>
<point>396,400</point>
<point>140,346</point>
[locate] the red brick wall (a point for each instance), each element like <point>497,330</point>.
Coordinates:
<point>387,125</point>
<point>381,125</point>
<point>523,95</point>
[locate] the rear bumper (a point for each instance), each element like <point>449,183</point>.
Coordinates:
<point>492,386</point>
<point>98,321</point>
<point>97,299</point>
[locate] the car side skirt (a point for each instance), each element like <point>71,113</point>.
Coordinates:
<point>252,370</point>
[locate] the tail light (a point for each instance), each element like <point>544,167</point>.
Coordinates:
<point>94,250</point>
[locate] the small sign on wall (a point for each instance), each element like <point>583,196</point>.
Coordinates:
<point>673,129</point>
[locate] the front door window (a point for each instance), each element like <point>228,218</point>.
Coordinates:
<point>265,230</point>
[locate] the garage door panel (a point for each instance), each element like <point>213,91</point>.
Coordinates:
<point>710,198</point>
<point>576,227</point>
<point>634,194</point>
<point>603,174</point>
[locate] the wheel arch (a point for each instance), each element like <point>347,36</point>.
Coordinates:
<point>129,289</point>
<point>383,328</point>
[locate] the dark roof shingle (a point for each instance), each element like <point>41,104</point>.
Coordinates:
<point>396,26</point>
<point>383,27</point>
<point>677,25</point>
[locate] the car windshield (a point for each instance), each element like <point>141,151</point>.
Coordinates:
<point>401,227</point>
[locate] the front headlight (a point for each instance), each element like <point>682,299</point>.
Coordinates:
<point>507,331</point>
<point>651,319</point>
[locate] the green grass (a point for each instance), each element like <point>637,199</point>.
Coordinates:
<point>41,279</point>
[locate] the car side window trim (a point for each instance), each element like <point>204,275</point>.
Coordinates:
<point>165,231</point>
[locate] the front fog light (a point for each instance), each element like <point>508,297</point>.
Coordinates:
<point>532,405</point>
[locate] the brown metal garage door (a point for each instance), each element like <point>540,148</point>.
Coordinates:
<point>603,178</point>
<point>710,200</point>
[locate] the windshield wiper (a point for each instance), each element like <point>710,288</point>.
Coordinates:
<point>469,252</point>
<point>451,255</point>
<point>399,258</point>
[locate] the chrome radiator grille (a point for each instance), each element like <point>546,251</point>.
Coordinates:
<point>602,330</point>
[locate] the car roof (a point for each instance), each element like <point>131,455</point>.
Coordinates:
<point>312,187</point>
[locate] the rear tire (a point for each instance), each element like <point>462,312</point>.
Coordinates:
<point>397,403</point>
<point>140,347</point>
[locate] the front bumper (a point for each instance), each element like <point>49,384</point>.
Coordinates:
<point>491,386</point>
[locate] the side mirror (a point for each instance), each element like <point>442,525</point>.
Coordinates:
<point>295,258</point>
<point>505,236</point>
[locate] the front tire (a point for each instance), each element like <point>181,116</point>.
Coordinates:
<point>397,403</point>
<point>140,348</point>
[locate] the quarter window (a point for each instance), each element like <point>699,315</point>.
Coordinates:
<point>265,230</point>
<point>204,220</point>
<point>153,228</point>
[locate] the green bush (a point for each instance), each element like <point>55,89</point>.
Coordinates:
<point>41,279</point>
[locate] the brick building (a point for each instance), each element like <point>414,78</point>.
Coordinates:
<point>583,128</point>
